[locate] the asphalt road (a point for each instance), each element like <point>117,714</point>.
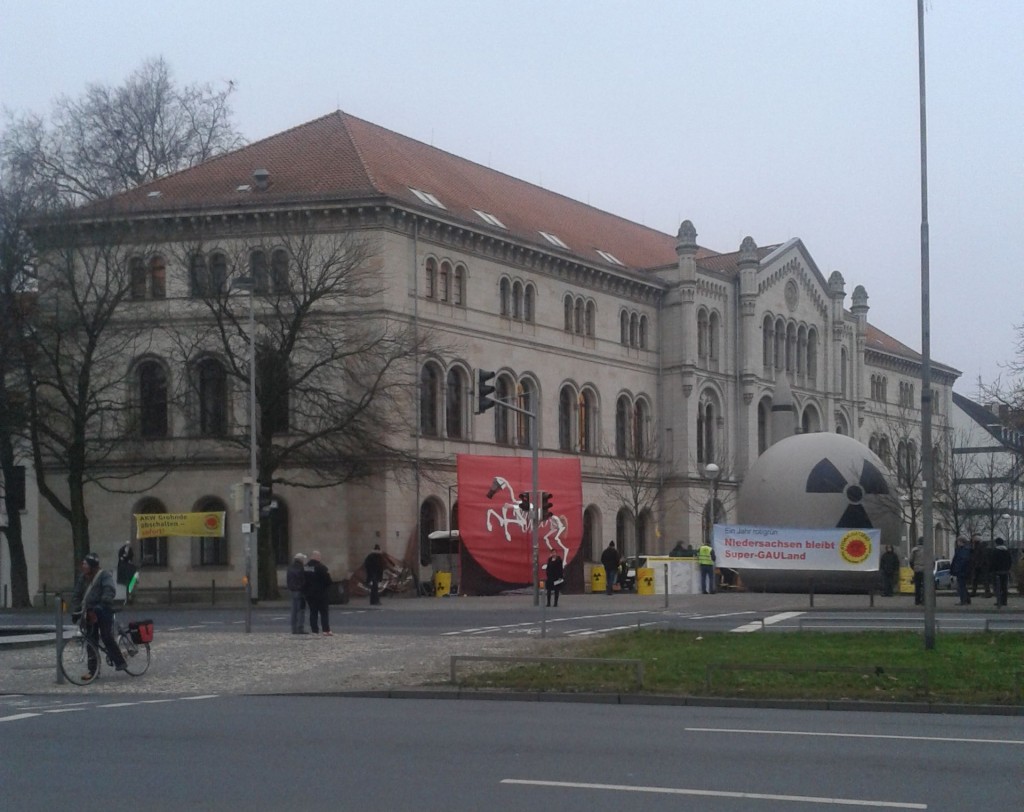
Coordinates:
<point>273,753</point>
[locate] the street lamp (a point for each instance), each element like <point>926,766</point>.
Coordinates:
<point>711,471</point>
<point>248,283</point>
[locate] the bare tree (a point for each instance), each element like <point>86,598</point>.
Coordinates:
<point>637,481</point>
<point>111,139</point>
<point>334,386</point>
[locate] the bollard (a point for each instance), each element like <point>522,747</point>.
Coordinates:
<point>871,598</point>
<point>666,585</point>
<point>810,585</point>
<point>169,594</point>
<point>59,636</point>
<point>213,592</point>
<point>44,596</point>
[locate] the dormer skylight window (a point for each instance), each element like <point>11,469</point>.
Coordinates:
<point>614,260</point>
<point>427,198</point>
<point>243,187</point>
<point>490,219</point>
<point>554,240</point>
<point>155,193</point>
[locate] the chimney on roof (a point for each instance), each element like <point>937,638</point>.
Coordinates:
<point>261,177</point>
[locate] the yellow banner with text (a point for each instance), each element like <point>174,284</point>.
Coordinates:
<point>154,525</point>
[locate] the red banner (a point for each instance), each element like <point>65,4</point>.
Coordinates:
<point>495,529</point>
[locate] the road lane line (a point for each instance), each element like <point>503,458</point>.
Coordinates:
<point>710,793</point>
<point>956,739</point>
<point>17,716</point>
<point>768,621</point>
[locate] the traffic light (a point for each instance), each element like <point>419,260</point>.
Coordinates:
<point>524,502</point>
<point>267,502</point>
<point>484,390</point>
<point>545,507</point>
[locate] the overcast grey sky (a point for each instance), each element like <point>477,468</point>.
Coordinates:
<point>774,119</point>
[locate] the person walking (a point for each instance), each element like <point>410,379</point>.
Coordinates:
<point>917,565</point>
<point>1002,562</point>
<point>706,560</point>
<point>553,572</point>
<point>960,568</point>
<point>889,566</point>
<point>93,596</point>
<point>296,580</point>
<point>316,583</point>
<point>610,561</point>
<point>374,566</point>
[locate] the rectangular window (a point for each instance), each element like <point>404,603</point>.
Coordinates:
<point>554,240</point>
<point>609,257</point>
<point>427,198</point>
<point>490,219</point>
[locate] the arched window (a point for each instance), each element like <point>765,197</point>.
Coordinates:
<point>706,429</point>
<point>641,427</point>
<point>885,451</point>
<point>430,281</point>
<point>213,398</point>
<point>198,282</point>
<point>902,463</point>
<point>454,405</point>
<point>218,273</point>
<point>643,529</point>
<point>767,343</point>
<point>790,347</point>
<point>812,354</point>
<point>152,551</point>
<point>152,382</point>
<point>591,319</point>
<point>844,362</point>
<point>702,335</point>
<point>586,420</point>
<point>517,301</point>
<point>157,277</point>
<point>810,421</point>
<point>566,402</point>
<point>625,530</point>
<point>590,522</point>
<point>780,344</point>
<point>624,328</point>
<point>527,393</point>
<point>258,271</point>
<point>430,380</point>
<point>713,324</point>
<point>643,332</point>
<point>459,286</point>
<point>279,280</point>
<point>634,330</point>
<point>503,394</point>
<point>505,297</point>
<point>529,295</point>
<point>442,281</point>
<point>622,426</point>
<point>801,350</point>
<point>567,305</point>
<point>578,317</point>
<point>210,551</point>
<point>431,513</point>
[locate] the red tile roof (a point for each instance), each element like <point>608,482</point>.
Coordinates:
<point>341,158</point>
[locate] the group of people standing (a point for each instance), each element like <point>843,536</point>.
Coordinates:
<point>309,582</point>
<point>974,564</point>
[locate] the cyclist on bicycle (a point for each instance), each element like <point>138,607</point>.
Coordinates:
<point>94,596</point>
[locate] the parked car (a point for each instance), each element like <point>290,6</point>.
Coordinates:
<point>943,579</point>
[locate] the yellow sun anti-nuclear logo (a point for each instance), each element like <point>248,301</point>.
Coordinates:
<point>855,547</point>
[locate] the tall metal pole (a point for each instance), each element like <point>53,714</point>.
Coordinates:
<point>926,364</point>
<point>534,508</point>
<point>253,485</point>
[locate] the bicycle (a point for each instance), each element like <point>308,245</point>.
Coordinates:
<point>80,650</point>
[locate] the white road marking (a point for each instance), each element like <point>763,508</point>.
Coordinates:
<point>768,621</point>
<point>959,740</point>
<point>709,793</point>
<point>64,710</point>
<point>17,716</point>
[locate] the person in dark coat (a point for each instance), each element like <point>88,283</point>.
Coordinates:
<point>296,584</point>
<point>1002,563</point>
<point>317,583</point>
<point>981,555</point>
<point>610,561</point>
<point>93,596</point>
<point>889,566</point>
<point>960,568</point>
<point>554,570</point>
<point>374,566</point>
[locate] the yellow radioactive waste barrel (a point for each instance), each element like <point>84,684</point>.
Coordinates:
<point>906,581</point>
<point>644,581</point>
<point>597,582</point>
<point>442,584</point>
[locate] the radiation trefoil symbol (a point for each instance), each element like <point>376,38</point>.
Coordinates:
<point>826,478</point>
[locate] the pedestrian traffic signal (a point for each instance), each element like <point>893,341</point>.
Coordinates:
<point>484,390</point>
<point>545,507</point>
<point>524,502</point>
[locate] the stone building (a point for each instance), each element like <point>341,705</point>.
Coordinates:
<point>628,342</point>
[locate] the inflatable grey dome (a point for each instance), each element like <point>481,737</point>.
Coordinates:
<point>818,480</point>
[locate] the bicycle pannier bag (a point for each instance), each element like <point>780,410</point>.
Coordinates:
<point>141,631</point>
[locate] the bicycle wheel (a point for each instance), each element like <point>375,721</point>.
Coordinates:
<point>136,655</point>
<point>80,661</point>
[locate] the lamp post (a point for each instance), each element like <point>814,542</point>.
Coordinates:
<point>711,471</point>
<point>252,505</point>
